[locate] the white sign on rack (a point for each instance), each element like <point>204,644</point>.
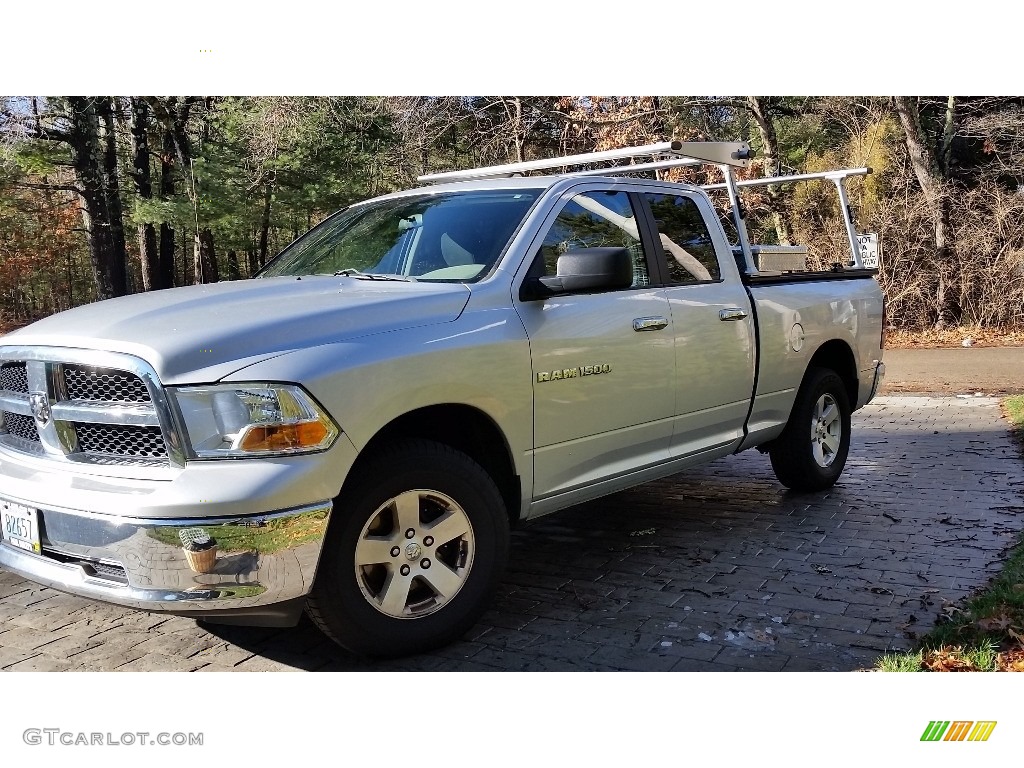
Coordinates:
<point>868,249</point>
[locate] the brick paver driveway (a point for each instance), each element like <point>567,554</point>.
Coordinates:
<point>715,569</point>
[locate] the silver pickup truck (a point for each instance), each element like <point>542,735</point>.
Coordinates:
<point>354,432</point>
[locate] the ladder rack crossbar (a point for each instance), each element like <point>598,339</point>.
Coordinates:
<point>638,167</point>
<point>845,173</point>
<point>733,153</point>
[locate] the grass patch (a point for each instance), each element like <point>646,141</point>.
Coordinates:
<point>1013,410</point>
<point>908,661</point>
<point>985,633</point>
<point>271,537</point>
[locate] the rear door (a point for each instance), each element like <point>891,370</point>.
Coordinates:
<point>713,324</point>
<point>603,363</point>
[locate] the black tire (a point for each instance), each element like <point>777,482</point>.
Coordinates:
<point>801,456</point>
<point>351,599</point>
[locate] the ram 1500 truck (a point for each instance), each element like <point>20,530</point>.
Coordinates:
<point>354,432</point>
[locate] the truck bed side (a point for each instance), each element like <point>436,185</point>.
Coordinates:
<point>839,320</point>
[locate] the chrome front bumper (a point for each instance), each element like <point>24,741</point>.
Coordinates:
<point>260,560</point>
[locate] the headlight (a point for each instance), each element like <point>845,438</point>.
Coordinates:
<point>237,420</point>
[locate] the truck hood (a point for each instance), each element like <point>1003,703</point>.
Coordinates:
<point>202,333</point>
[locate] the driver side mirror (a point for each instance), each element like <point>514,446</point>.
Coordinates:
<point>585,270</point>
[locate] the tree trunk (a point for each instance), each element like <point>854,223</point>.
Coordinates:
<point>94,159</point>
<point>111,188</point>
<point>206,259</point>
<point>758,106</point>
<point>234,272</point>
<point>173,114</point>
<point>931,170</point>
<point>144,186</point>
<point>187,273</point>
<point>163,275</point>
<point>268,197</point>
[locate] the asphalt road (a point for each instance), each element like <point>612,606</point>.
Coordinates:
<point>992,370</point>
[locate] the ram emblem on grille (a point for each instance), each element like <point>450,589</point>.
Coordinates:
<point>40,407</point>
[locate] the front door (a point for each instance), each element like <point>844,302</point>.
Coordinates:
<point>603,363</point>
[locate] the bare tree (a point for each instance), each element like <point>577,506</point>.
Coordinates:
<point>173,114</point>
<point>85,124</point>
<point>931,167</point>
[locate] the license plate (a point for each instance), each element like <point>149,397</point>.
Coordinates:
<point>20,526</point>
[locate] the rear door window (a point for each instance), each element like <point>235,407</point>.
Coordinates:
<point>685,239</point>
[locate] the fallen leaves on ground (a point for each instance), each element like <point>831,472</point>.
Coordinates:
<point>947,660</point>
<point>954,337</point>
<point>1010,661</point>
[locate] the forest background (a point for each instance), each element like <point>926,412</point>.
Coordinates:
<point>104,196</point>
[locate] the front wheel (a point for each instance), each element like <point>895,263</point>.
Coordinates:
<point>414,553</point>
<point>811,452</point>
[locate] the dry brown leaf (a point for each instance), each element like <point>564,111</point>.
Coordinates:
<point>947,660</point>
<point>1010,661</point>
<point>951,610</point>
<point>995,623</point>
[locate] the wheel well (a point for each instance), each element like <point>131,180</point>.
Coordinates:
<point>465,429</point>
<point>837,356</point>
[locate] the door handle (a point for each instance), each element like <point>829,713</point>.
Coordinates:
<point>650,323</point>
<point>733,313</point>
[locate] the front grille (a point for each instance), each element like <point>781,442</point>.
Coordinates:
<point>121,440</point>
<point>101,408</point>
<point>13,377</point>
<point>21,426</point>
<point>105,385</point>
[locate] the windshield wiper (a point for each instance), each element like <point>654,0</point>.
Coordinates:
<point>355,273</point>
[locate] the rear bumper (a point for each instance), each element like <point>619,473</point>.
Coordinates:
<point>261,560</point>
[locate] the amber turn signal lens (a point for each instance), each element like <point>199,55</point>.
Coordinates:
<point>281,437</point>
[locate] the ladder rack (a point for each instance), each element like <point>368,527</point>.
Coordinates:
<point>673,154</point>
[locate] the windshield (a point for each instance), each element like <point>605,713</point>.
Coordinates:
<point>448,236</point>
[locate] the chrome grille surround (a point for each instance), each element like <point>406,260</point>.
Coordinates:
<point>105,409</point>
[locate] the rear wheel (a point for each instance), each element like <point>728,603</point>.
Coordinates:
<point>414,553</point>
<point>811,452</point>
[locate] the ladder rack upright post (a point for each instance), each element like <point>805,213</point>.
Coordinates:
<point>838,178</point>
<point>739,220</point>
